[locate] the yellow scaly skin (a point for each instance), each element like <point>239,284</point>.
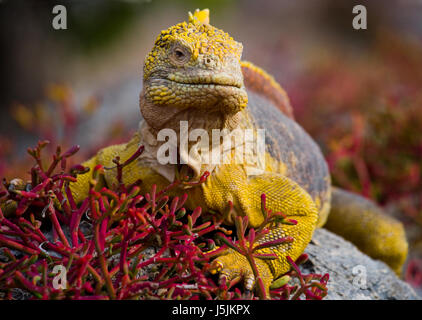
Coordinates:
<point>209,60</point>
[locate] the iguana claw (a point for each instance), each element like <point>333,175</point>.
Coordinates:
<point>234,265</point>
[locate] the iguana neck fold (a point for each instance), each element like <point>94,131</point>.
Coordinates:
<point>232,126</point>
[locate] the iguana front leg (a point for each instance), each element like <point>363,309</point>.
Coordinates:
<point>230,183</point>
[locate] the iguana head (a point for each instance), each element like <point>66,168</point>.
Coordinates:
<point>193,65</point>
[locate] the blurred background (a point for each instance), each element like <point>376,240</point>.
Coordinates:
<point>357,92</point>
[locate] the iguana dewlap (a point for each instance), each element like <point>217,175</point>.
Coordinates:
<point>194,73</point>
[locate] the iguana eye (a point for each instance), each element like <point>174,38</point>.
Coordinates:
<point>179,55</point>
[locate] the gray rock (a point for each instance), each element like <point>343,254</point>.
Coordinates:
<point>353,275</point>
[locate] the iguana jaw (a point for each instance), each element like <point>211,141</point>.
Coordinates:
<point>206,78</point>
<point>207,91</point>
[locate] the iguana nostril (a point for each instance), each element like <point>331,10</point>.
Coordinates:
<point>209,61</point>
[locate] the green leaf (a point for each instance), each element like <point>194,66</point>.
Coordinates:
<point>280,282</point>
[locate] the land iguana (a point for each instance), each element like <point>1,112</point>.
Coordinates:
<point>194,75</point>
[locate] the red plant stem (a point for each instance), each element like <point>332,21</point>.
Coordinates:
<point>44,273</point>
<point>81,236</point>
<point>56,224</point>
<point>28,285</point>
<point>31,234</point>
<point>9,254</point>
<point>174,279</point>
<point>103,232</point>
<point>123,253</point>
<point>200,233</point>
<point>64,251</point>
<point>41,235</point>
<point>273,243</point>
<point>164,271</point>
<point>70,201</point>
<point>258,279</point>
<point>103,263</point>
<point>53,165</point>
<point>310,294</point>
<point>298,293</point>
<point>153,259</point>
<point>136,251</point>
<point>95,274</point>
<point>15,245</point>
<point>214,252</point>
<point>12,267</point>
<point>42,185</point>
<point>85,261</point>
<point>75,221</point>
<point>101,204</point>
<point>25,239</point>
<point>13,226</point>
<point>295,267</point>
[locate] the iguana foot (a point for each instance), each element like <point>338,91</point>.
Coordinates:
<point>234,265</point>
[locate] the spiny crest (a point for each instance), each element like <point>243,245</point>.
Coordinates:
<point>199,36</point>
<point>200,16</point>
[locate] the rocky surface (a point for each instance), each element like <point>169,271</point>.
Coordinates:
<point>353,275</point>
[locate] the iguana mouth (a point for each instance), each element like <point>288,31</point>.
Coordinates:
<point>206,90</point>
<point>206,80</point>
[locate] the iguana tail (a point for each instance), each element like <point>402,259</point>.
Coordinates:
<point>366,225</point>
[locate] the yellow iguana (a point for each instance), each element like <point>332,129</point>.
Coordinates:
<point>194,76</point>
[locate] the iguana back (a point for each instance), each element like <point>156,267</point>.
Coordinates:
<point>286,141</point>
